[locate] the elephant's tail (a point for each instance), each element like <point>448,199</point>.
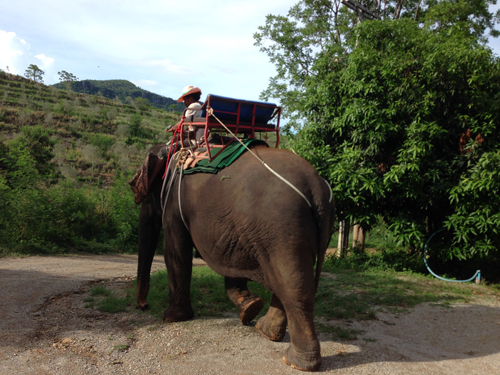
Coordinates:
<point>324,214</point>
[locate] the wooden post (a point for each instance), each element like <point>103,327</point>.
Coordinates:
<point>343,242</point>
<point>358,237</point>
<point>355,230</point>
<point>347,226</point>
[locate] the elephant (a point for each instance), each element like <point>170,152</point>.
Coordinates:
<point>247,224</point>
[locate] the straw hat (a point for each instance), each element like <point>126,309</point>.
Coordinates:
<point>188,90</point>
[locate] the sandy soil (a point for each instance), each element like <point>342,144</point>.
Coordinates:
<point>45,329</point>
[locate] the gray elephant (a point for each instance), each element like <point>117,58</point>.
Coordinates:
<point>247,224</point>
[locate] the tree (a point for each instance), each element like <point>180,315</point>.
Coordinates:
<point>142,102</point>
<point>34,73</point>
<point>315,28</point>
<point>91,153</point>
<point>400,115</point>
<point>135,125</point>
<point>67,78</point>
<point>402,121</point>
<point>27,158</point>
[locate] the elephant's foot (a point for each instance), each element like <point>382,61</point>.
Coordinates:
<point>250,309</point>
<point>142,306</point>
<point>273,332</point>
<point>177,314</point>
<point>308,361</point>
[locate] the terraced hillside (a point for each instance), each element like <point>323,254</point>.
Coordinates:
<point>93,136</point>
<point>65,159</point>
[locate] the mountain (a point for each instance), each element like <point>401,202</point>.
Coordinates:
<point>122,89</point>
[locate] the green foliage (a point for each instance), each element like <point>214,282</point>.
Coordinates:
<point>392,117</point>
<point>397,116</point>
<point>475,221</point>
<point>101,141</point>
<point>343,294</point>
<point>137,130</point>
<point>34,72</point>
<point>135,125</point>
<point>50,200</point>
<point>110,301</point>
<point>314,29</point>
<point>100,290</point>
<point>67,78</point>
<point>62,218</point>
<point>26,158</point>
<point>142,102</point>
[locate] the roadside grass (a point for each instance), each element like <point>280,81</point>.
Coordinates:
<point>344,295</point>
<point>106,300</point>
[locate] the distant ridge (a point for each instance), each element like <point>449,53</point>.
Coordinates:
<point>121,88</point>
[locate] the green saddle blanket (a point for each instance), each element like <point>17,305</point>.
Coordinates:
<point>224,159</point>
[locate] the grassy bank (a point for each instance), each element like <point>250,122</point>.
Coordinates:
<point>344,295</point>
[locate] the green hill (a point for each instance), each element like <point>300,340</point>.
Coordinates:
<point>65,159</point>
<point>122,89</point>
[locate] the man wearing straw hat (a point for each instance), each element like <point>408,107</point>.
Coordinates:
<point>191,97</point>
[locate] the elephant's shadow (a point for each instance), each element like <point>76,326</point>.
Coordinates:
<point>428,333</point>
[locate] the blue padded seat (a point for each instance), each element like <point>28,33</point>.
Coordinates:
<point>226,109</point>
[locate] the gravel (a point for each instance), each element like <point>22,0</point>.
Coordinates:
<point>46,328</point>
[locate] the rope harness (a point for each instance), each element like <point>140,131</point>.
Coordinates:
<point>210,111</point>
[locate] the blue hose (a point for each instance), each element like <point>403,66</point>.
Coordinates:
<point>477,274</point>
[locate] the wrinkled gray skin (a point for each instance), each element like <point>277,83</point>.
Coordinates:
<point>248,225</point>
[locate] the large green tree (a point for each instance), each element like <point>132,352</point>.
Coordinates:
<point>402,115</point>
<point>315,28</point>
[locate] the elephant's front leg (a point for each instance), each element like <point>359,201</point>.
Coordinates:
<point>249,304</point>
<point>149,231</point>
<point>178,253</point>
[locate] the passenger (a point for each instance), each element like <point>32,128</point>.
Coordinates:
<point>191,97</point>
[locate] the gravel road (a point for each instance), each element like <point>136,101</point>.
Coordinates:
<point>45,329</point>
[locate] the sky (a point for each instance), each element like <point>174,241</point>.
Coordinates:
<point>159,45</point>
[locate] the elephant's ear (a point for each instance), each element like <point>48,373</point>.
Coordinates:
<point>140,182</point>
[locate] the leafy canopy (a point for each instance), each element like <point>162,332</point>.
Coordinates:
<point>35,73</point>
<point>401,114</point>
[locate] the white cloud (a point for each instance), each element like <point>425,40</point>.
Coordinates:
<point>47,61</point>
<point>163,66</point>
<point>15,53</point>
<point>12,52</point>
<point>146,84</point>
<point>210,46</point>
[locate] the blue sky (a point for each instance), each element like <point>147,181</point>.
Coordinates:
<point>161,46</point>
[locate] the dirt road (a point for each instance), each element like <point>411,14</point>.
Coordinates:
<point>45,329</point>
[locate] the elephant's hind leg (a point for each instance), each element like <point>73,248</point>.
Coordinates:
<point>304,352</point>
<point>293,303</point>
<point>249,304</point>
<point>273,324</point>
